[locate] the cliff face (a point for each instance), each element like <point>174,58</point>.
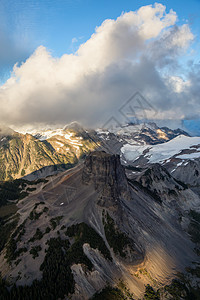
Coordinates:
<point>108,176</point>
<point>189,172</point>
<point>158,179</point>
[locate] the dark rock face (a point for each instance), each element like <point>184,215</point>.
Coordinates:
<point>189,173</point>
<point>108,176</point>
<point>159,182</point>
<point>155,173</point>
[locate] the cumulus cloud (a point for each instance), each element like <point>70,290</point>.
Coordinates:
<point>131,53</point>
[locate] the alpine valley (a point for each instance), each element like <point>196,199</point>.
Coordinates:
<point>99,214</point>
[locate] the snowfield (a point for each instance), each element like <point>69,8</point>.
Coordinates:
<point>162,152</point>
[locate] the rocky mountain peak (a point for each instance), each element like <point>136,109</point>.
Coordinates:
<point>74,126</point>
<point>159,181</point>
<point>107,174</point>
<point>5,131</point>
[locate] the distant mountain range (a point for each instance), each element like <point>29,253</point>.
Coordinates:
<point>100,214</point>
<point>23,154</point>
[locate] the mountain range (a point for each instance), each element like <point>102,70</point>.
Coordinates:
<point>100,214</point>
<point>22,154</point>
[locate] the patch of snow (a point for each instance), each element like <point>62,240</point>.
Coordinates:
<point>161,152</point>
<point>102,131</point>
<point>68,135</point>
<point>189,155</point>
<point>47,134</point>
<point>168,160</point>
<point>179,164</point>
<point>61,144</point>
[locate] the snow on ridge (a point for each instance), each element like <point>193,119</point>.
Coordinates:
<point>161,152</point>
<point>189,155</point>
<point>134,128</point>
<point>60,144</point>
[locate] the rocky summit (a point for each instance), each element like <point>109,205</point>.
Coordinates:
<point>108,176</point>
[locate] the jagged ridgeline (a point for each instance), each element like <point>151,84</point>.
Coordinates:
<point>22,154</point>
<point>91,233</point>
<point>50,151</point>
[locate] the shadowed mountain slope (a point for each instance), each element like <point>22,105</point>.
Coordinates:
<point>105,228</point>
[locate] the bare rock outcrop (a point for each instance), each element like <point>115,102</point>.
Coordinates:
<point>108,176</point>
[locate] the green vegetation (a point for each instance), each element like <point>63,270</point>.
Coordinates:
<point>85,234</point>
<point>121,292</point>
<point>56,268</point>
<point>37,181</point>
<point>3,290</point>
<point>144,272</point>
<point>122,286</point>
<point>45,209</point>
<point>11,248</point>
<point>14,189</point>
<point>151,294</point>
<point>8,210</point>
<point>34,251</point>
<point>57,278</point>
<point>23,172</point>
<point>6,228</point>
<point>178,290</point>
<point>195,272</point>
<point>47,230</point>
<point>36,215</point>
<point>55,222</point>
<point>37,236</point>
<point>63,227</point>
<point>29,189</point>
<point>11,190</point>
<point>19,232</point>
<point>117,240</point>
<point>109,293</point>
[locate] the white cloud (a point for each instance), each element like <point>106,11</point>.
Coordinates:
<point>74,40</point>
<point>122,56</point>
<point>181,37</point>
<point>178,84</point>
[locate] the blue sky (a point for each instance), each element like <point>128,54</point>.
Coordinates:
<point>61,25</point>
<point>136,49</point>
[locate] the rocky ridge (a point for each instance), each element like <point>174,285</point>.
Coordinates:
<point>117,225</point>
